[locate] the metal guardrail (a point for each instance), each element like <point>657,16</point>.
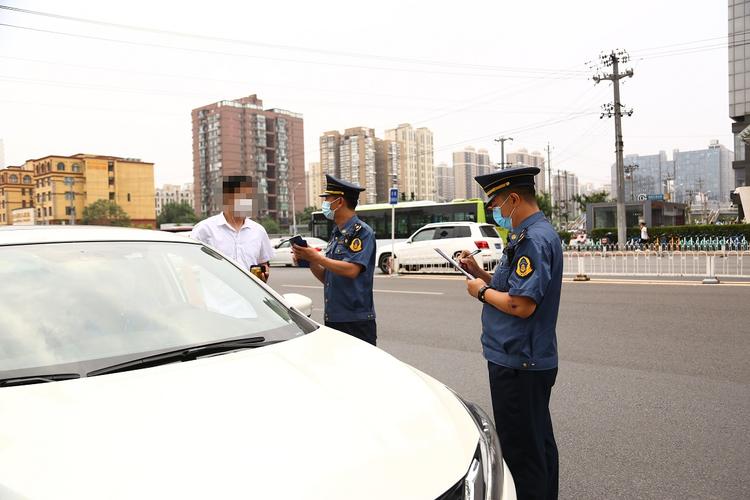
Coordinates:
<point>699,264</point>
<point>709,265</point>
<point>418,265</point>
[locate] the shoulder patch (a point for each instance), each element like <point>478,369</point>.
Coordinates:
<point>355,245</point>
<point>524,267</point>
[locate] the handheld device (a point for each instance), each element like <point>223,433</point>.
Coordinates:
<point>300,242</point>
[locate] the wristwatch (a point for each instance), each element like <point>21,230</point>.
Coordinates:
<point>481,293</point>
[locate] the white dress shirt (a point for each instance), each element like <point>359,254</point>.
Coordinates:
<point>249,246</point>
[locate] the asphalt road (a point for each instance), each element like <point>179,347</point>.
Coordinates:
<point>652,397</point>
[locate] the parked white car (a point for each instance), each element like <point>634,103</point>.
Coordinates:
<point>282,249</point>
<point>143,364</point>
<point>418,252</point>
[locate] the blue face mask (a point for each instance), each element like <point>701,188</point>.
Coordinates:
<point>328,213</point>
<point>503,222</point>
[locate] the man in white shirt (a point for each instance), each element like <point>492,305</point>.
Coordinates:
<point>644,235</point>
<point>232,232</point>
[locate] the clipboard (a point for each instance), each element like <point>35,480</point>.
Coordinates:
<point>455,264</point>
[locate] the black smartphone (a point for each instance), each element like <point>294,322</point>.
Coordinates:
<point>300,242</point>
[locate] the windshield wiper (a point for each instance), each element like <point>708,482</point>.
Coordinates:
<point>37,379</point>
<point>179,355</point>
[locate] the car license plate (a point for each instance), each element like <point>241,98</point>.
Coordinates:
<point>498,246</point>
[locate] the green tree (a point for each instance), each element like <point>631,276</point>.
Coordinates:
<point>595,197</point>
<point>545,204</point>
<point>105,213</point>
<point>272,227</point>
<point>177,213</point>
<point>303,217</point>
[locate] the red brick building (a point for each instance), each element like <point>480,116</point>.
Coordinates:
<point>239,137</point>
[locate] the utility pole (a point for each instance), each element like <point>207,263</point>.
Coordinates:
<point>613,60</point>
<point>630,172</point>
<point>502,140</point>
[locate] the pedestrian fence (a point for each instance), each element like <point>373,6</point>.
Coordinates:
<point>697,264</point>
<point>708,265</point>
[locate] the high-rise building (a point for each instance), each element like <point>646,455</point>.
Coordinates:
<point>330,149</point>
<point>58,188</point>
<point>707,171</point>
<point>387,167</point>
<point>239,137</point>
<point>314,185</point>
<point>357,161</point>
<point>417,179</point>
<point>739,88</point>
<point>174,193</point>
<point>564,190</point>
<point>445,182</point>
<point>522,158</point>
<point>468,164</point>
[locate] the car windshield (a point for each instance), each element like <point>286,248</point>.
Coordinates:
<point>80,306</point>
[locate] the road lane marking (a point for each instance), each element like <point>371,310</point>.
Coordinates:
<point>594,281</point>
<point>411,292</point>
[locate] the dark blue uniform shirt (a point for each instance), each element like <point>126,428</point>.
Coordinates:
<point>351,299</point>
<point>531,267</point>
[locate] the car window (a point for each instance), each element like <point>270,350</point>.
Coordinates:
<point>489,232</point>
<point>285,244</point>
<point>76,303</point>
<point>424,235</point>
<point>461,232</point>
<point>442,233</point>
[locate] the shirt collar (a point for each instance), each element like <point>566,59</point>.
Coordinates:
<point>353,220</point>
<point>223,222</point>
<point>528,221</point>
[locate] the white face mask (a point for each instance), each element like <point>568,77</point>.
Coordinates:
<point>243,207</point>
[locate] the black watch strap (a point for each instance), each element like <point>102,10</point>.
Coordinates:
<point>481,293</point>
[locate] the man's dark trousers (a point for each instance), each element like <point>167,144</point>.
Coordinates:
<point>520,402</point>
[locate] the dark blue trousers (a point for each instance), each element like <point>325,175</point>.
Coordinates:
<point>364,330</point>
<point>520,402</point>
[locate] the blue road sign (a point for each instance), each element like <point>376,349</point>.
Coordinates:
<point>393,196</point>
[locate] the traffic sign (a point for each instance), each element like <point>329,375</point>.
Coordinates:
<point>656,197</point>
<point>393,196</point>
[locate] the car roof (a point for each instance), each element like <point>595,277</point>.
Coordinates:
<point>30,235</point>
<point>441,224</point>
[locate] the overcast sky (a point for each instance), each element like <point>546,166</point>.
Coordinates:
<point>470,71</point>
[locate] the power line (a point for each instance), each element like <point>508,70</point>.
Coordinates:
<point>197,36</point>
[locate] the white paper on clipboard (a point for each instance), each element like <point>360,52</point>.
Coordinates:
<point>455,264</point>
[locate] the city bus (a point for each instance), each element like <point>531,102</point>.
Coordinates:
<point>410,216</point>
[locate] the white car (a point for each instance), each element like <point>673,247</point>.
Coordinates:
<point>282,249</point>
<point>142,364</point>
<point>418,252</point>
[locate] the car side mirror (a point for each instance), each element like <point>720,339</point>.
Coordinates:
<point>299,302</point>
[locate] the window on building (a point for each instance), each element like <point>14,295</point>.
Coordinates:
<point>27,179</point>
<point>14,179</point>
<point>38,212</point>
<point>128,196</point>
<point>68,211</point>
<point>112,196</point>
<point>76,167</point>
<point>23,203</point>
<point>61,166</point>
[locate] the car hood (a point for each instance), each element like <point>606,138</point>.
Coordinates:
<point>321,416</point>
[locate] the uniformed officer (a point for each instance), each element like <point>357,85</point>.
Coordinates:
<point>347,268</point>
<point>519,317</point>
